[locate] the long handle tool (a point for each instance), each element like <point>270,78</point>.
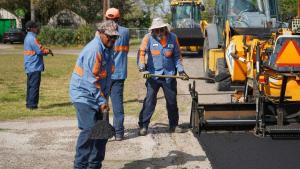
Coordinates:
<point>177,77</point>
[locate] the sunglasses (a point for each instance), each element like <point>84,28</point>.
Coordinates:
<point>159,30</point>
<point>113,37</point>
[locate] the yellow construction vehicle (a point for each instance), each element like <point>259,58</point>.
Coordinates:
<point>254,48</point>
<point>185,22</point>
<point>233,20</point>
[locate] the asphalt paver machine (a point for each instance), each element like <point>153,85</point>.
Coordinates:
<point>266,57</point>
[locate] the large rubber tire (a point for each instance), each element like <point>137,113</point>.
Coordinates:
<point>221,68</point>
<point>206,70</point>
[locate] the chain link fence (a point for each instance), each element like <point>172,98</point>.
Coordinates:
<point>136,35</point>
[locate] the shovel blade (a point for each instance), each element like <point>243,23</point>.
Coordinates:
<point>102,130</point>
<point>222,76</point>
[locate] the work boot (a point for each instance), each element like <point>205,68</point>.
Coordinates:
<point>143,131</point>
<point>176,129</point>
<point>31,107</point>
<point>119,138</point>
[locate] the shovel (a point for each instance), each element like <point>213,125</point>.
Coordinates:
<point>102,129</point>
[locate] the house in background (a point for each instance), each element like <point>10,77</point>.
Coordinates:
<point>66,18</point>
<point>8,20</point>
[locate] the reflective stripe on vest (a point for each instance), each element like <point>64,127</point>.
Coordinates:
<point>155,52</point>
<point>29,52</point>
<point>121,48</point>
<point>78,70</point>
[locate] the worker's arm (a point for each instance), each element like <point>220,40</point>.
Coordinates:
<point>92,66</point>
<point>142,53</point>
<point>38,48</point>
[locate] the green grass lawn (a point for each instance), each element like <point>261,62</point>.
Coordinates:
<point>54,91</point>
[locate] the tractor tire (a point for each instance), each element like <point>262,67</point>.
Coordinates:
<point>221,68</point>
<point>206,70</point>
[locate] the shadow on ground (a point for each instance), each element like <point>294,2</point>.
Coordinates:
<point>57,105</point>
<point>140,101</point>
<point>174,158</point>
<point>157,128</point>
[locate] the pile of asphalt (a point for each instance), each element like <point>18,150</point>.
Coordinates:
<point>246,151</point>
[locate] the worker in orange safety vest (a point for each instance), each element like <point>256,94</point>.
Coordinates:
<point>120,57</point>
<point>164,58</point>
<point>33,63</point>
<point>89,91</point>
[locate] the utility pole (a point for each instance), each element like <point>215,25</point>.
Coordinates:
<point>106,5</point>
<point>32,11</point>
<point>298,9</point>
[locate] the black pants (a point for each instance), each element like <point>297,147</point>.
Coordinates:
<point>33,88</point>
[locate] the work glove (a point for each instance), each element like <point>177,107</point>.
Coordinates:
<point>185,76</point>
<point>142,68</point>
<point>48,51</point>
<point>104,109</point>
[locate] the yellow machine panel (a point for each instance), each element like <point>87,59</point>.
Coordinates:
<point>234,54</point>
<point>215,54</point>
<point>273,88</point>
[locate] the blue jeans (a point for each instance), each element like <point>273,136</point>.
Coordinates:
<point>89,153</point>
<point>170,91</point>
<point>33,89</point>
<point>117,89</point>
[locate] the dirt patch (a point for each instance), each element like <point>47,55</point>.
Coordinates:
<point>50,142</point>
<point>37,144</point>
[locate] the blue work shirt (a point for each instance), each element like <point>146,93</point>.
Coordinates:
<point>164,56</point>
<point>33,54</point>
<point>121,54</point>
<point>91,78</point>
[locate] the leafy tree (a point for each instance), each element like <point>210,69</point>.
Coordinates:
<point>87,9</point>
<point>209,10</point>
<point>287,8</point>
<point>21,12</point>
<point>15,6</point>
<point>131,14</point>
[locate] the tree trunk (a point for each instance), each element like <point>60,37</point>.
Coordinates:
<point>106,5</point>
<point>32,11</point>
<point>298,9</point>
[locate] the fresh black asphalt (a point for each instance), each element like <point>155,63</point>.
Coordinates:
<point>246,151</point>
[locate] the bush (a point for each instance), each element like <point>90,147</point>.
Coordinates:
<point>66,36</point>
<point>84,34</point>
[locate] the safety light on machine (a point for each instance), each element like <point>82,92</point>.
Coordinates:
<point>262,79</point>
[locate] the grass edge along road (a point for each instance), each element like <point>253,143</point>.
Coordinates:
<point>54,91</point>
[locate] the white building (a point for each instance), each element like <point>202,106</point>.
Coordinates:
<point>4,14</point>
<point>66,18</point>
